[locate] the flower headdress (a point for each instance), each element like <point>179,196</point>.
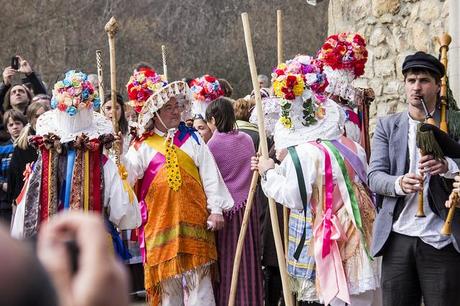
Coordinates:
<point>141,85</point>
<point>344,57</point>
<point>291,79</point>
<point>206,89</point>
<point>75,92</point>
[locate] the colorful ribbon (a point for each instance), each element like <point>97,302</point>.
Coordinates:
<point>68,178</point>
<point>329,186</point>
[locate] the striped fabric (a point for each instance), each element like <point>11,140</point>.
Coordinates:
<point>250,286</point>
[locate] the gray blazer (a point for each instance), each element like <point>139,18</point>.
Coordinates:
<point>388,161</point>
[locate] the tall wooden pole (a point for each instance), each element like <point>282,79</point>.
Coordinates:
<point>279,26</point>
<point>100,76</point>
<point>112,28</point>
<point>165,66</point>
<point>264,150</point>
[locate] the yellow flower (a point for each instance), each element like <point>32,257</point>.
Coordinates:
<point>286,122</point>
<point>277,86</point>
<point>299,87</point>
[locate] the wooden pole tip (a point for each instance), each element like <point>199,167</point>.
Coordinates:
<point>112,27</point>
<point>445,39</point>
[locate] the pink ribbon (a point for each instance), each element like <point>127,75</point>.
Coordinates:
<point>329,185</point>
<point>329,269</point>
<point>152,170</point>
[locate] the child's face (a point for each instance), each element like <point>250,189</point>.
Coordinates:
<point>14,127</point>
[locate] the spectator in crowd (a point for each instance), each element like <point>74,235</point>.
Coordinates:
<point>264,82</point>
<point>14,121</point>
<point>232,152</point>
<point>23,279</point>
<point>226,87</point>
<point>200,124</point>
<point>119,112</point>
<point>42,98</point>
<point>8,90</point>
<point>23,152</point>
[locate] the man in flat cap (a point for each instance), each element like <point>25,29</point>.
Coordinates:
<point>417,260</point>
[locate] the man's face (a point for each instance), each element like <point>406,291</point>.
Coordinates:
<point>421,85</point>
<point>170,114</point>
<point>18,96</point>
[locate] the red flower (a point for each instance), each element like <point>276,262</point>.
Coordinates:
<point>209,78</point>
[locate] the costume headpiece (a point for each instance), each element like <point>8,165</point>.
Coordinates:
<point>290,82</point>
<point>344,56</point>
<point>205,90</point>
<point>177,89</point>
<point>72,115</point>
<point>141,85</point>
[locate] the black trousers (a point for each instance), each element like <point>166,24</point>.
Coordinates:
<point>412,269</point>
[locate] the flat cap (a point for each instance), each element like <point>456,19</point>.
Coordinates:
<point>422,60</point>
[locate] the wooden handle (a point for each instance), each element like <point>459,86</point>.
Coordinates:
<point>444,41</point>
<point>264,149</point>
<point>420,213</point>
<point>112,28</point>
<point>279,27</point>
<point>165,66</point>
<point>100,76</point>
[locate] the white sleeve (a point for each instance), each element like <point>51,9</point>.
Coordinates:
<point>218,197</point>
<point>282,184</point>
<point>134,163</point>
<point>123,213</point>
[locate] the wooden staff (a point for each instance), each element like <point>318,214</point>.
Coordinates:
<point>165,66</point>
<point>279,27</point>
<point>444,42</point>
<point>112,28</point>
<point>264,150</point>
<point>100,75</point>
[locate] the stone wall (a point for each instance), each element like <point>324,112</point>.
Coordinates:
<point>202,36</point>
<point>393,29</point>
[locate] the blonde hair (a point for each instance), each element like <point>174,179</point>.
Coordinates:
<point>22,141</point>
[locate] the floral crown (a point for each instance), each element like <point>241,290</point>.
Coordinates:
<point>344,51</point>
<point>74,93</point>
<point>344,57</point>
<point>206,89</point>
<point>291,79</point>
<point>141,85</point>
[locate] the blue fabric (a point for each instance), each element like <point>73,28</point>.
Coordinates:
<point>297,225</point>
<point>6,151</point>
<point>120,249</point>
<point>68,176</point>
<point>184,130</point>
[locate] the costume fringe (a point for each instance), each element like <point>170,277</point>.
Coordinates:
<point>156,284</point>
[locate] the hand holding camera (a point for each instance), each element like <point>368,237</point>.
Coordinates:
<point>18,64</point>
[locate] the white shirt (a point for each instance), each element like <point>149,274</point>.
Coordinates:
<point>428,228</point>
<point>217,194</point>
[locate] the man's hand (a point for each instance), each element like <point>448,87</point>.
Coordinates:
<point>24,66</point>
<point>411,183</point>
<point>8,74</point>
<point>100,279</point>
<point>261,164</point>
<point>427,164</point>
<point>216,222</point>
